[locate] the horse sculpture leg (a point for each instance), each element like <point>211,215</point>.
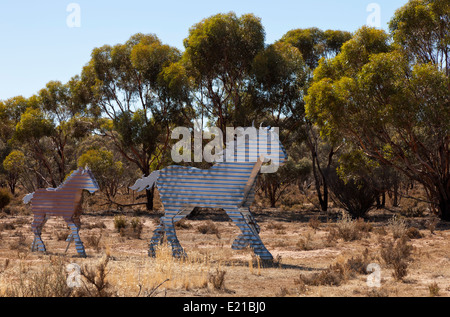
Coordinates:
<point>74,225</point>
<point>242,240</point>
<point>167,228</point>
<point>249,237</point>
<point>37,225</point>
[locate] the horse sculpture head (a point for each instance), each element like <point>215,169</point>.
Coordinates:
<point>82,178</point>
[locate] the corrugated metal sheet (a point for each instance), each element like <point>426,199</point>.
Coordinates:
<point>229,185</point>
<point>64,201</point>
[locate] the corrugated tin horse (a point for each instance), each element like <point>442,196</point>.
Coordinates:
<point>229,185</point>
<point>64,201</point>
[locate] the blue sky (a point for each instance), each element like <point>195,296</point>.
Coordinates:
<point>37,45</point>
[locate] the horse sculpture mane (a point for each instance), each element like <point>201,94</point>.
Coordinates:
<point>64,201</point>
<point>229,185</point>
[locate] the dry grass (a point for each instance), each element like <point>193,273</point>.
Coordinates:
<point>314,257</point>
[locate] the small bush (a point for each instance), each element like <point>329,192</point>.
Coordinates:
<point>398,227</point>
<point>349,230</point>
<point>314,222</point>
<point>183,224</point>
<point>332,276</point>
<point>133,229</point>
<point>94,241</point>
<point>434,289</point>
<point>337,273</point>
<point>413,233</point>
<point>97,285</point>
<point>356,197</point>
<point>208,228</point>
<point>120,223</point>
<point>5,198</point>
<point>397,255</point>
<point>217,279</point>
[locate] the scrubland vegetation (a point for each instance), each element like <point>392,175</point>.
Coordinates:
<point>364,118</point>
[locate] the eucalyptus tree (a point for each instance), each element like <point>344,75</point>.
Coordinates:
<point>219,52</point>
<point>139,93</point>
<point>392,108</point>
<point>315,44</point>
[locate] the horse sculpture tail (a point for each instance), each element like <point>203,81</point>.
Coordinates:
<point>28,198</point>
<point>146,182</point>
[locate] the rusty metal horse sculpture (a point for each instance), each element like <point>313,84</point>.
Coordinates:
<point>64,201</point>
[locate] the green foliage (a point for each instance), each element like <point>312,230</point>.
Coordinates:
<point>314,43</point>
<point>219,54</point>
<point>356,195</point>
<point>396,112</point>
<point>33,125</point>
<point>421,28</point>
<point>14,162</point>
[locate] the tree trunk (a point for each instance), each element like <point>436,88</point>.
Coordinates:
<point>150,194</point>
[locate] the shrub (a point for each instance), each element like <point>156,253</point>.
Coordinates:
<point>217,279</point>
<point>337,273</point>
<point>398,227</point>
<point>434,289</point>
<point>349,229</point>
<point>397,255</point>
<point>5,198</point>
<point>356,197</point>
<point>120,223</point>
<point>209,228</point>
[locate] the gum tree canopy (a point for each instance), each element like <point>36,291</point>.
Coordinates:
<point>390,100</point>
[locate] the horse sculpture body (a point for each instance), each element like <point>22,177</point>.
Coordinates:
<point>229,185</point>
<point>64,201</point>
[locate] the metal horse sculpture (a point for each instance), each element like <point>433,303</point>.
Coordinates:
<point>229,185</point>
<point>64,201</point>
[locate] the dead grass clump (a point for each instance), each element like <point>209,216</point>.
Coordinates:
<point>183,224</point>
<point>332,276</point>
<point>120,222</point>
<point>20,243</point>
<point>129,229</point>
<point>275,226</point>
<point>4,266</point>
<point>398,227</point>
<point>413,233</point>
<point>209,228</point>
<point>97,285</point>
<point>93,241</point>
<point>7,226</point>
<point>314,222</point>
<point>97,224</point>
<point>308,243</point>
<point>349,230</point>
<point>50,281</point>
<point>431,224</point>
<point>338,273</point>
<point>434,289</point>
<point>217,279</point>
<point>397,255</point>
<point>62,235</point>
